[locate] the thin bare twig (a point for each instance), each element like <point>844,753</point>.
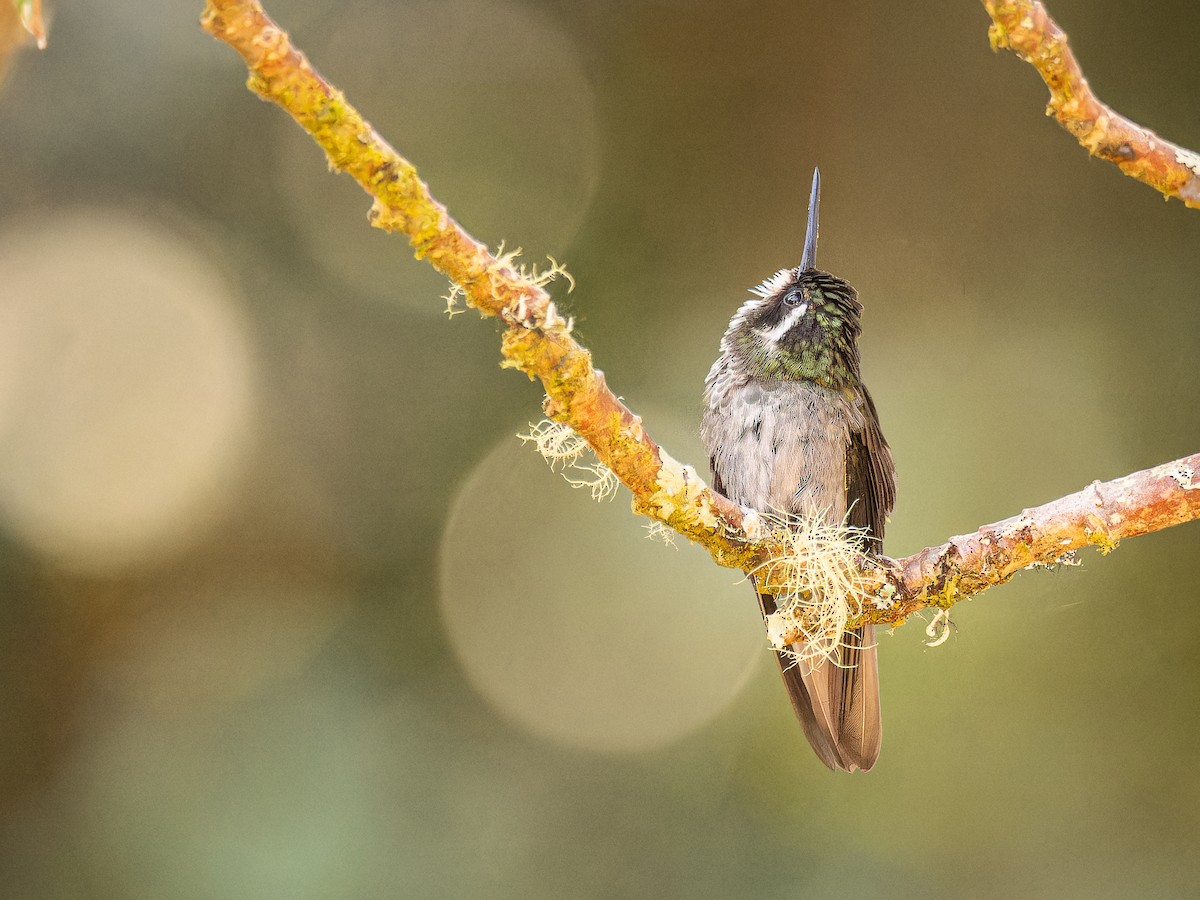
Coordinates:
<point>1027,29</point>
<point>538,341</point>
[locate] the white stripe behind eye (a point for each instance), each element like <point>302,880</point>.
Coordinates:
<point>787,324</point>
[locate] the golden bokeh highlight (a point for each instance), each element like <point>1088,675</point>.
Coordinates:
<point>574,625</point>
<point>126,389</point>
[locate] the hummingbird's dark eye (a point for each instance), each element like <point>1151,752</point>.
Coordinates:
<point>793,298</point>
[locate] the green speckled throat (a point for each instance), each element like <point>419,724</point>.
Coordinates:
<point>805,328</point>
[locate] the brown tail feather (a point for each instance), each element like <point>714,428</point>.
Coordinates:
<point>856,695</point>
<point>837,705</point>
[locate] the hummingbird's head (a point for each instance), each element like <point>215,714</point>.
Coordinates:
<point>802,324</point>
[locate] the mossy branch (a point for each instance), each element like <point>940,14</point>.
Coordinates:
<point>1101,515</point>
<point>1026,28</point>
<point>538,341</point>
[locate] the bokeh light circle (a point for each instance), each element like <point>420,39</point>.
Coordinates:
<point>125,389</point>
<point>572,624</point>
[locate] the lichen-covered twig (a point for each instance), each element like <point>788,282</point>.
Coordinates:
<point>538,341</point>
<point>1101,515</point>
<point>1027,29</point>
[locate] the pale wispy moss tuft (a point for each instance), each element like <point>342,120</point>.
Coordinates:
<point>822,587</point>
<point>563,449</point>
<point>530,272</point>
<point>657,531</point>
<point>597,478</point>
<point>519,311</point>
<point>559,444</point>
<point>454,301</point>
<point>939,628</point>
<point>545,276</point>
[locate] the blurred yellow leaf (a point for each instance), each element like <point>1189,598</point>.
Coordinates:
<point>32,21</point>
<point>19,21</point>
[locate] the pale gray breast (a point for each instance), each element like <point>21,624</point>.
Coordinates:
<point>779,445</point>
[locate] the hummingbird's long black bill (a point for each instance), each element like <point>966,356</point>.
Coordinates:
<point>809,259</point>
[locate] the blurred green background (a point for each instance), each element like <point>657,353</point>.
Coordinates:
<point>287,609</point>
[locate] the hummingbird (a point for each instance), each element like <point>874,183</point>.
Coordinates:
<point>791,429</point>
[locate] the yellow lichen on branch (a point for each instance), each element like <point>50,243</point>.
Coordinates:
<point>1027,29</point>
<point>1101,515</point>
<point>538,342</point>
